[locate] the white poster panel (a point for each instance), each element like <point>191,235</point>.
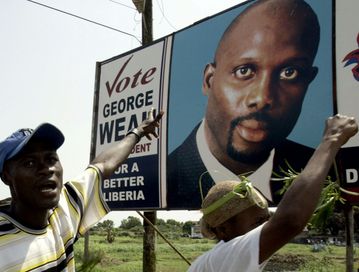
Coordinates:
<point>347,75</point>
<point>129,86</point>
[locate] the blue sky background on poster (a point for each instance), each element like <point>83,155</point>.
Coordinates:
<point>129,87</point>
<point>194,47</point>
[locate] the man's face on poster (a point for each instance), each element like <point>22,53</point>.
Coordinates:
<point>256,86</point>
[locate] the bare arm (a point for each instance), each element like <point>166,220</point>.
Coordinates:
<point>301,199</point>
<point>110,159</point>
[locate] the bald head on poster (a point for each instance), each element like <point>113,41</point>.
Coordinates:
<point>255,89</point>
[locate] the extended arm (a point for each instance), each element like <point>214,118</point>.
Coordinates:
<point>110,159</point>
<point>301,199</point>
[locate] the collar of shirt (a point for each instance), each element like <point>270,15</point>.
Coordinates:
<point>259,178</point>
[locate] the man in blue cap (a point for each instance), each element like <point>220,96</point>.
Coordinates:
<point>43,219</point>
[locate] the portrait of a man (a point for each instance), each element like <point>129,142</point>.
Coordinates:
<point>255,87</point>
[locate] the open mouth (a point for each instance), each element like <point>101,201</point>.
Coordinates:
<point>48,187</point>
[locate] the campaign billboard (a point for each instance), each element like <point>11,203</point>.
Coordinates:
<point>243,94</point>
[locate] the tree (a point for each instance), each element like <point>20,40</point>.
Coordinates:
<point>130,222</point>
<point>173,223</point>
<point>106,224</point>
<point>187,226</point>
<point>160,222</point>
<point>108,227</point>
<point>336,223</point>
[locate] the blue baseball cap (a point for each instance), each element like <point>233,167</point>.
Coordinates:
<point>13,144</point>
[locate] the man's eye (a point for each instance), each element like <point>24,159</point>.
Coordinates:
<point>244,72</point>
<point>53,160</point>
<point>289,73</point>
<point>29,163</point>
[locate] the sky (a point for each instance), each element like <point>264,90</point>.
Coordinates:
<point>48,66</point>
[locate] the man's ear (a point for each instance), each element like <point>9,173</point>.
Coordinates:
<point>312,74</point>
<point>208,77</point>
<point>220,232</point>
<point>5,175</point>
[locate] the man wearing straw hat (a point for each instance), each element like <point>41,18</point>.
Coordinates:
<point>237,214</point>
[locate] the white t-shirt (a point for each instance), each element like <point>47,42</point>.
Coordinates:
<point>240,254</point>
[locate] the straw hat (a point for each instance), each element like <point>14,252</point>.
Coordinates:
<point>226,199</point>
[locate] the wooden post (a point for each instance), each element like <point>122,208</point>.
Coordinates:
<point>147,30</point>
<point>149,243</point>
<point>149,235</point>
<point>349,229</point>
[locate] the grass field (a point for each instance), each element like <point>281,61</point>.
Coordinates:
<point>125,255</point>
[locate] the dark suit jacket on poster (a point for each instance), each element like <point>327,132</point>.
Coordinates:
<point>185,167</point>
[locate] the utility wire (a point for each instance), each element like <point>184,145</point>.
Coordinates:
<point>123,5</point>
<point>134,18</point>
<point>87,20</point>
<point>163,14</point>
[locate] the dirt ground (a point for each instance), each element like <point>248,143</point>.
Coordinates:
<point>285,262</point>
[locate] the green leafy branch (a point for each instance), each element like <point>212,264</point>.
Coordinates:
<point>330,196</point>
